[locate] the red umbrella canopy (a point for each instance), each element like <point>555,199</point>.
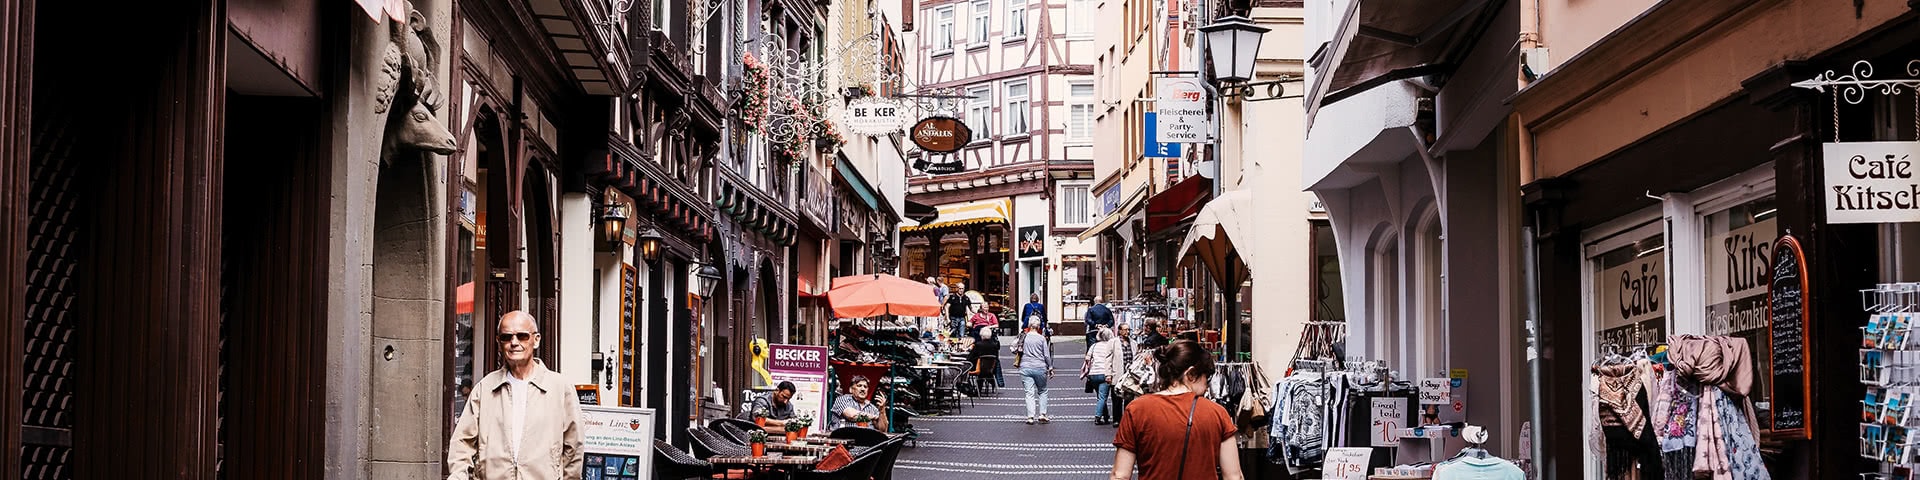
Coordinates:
<point>862,296</point>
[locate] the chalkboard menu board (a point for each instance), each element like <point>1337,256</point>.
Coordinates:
<point>1787,328</point>
<point>629,293</point>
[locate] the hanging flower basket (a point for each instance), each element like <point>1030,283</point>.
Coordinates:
<point>756,92</point>
<point>827,135</point>
<point>799,120</point>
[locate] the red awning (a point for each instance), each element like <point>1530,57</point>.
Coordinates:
<point>806,289</point>
<point>1180,202</point>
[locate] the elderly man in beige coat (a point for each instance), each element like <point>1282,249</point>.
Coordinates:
<point>521,423</point>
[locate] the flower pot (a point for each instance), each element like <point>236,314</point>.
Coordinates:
<point>759,449</point>
<point>803,430</point>
<point>791,436</point>
<point>760,421</point>
<point>861,424</point>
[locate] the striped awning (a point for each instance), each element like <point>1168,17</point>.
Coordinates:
<point>969,213</point>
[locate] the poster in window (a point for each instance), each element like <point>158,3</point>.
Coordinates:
<point>1736,296</point>
<point>1632,305</point>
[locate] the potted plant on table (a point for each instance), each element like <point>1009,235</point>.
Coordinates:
<point>793,430</point>
<point>760,417</point>
<point>759,441</point>
<point>863,420</point>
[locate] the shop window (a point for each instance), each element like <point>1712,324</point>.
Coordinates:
<point>1324,293</point>
<point>1631,307</point>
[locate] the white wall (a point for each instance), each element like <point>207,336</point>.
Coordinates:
<point>576,293</point>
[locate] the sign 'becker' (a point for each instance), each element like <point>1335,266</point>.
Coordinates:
<point>941,134</point>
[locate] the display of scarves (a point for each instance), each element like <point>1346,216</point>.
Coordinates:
<point>1725,446</point>
<point>1619,385</point>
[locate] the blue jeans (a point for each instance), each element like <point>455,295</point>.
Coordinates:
<point>1100,395</point>
<point>1036,383</point>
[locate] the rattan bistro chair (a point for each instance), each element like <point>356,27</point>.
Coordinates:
<point>669,463</point>
<point>708,443</point>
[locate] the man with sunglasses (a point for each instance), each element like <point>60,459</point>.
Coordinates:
<point>522,422</point>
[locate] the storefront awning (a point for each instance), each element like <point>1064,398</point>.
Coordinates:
<point>1379,42</point>
<point>1223,223</point>
<point>1180,202</point>
<point>969,213</point>
<point>921,213</point>
<point>1114,217</point>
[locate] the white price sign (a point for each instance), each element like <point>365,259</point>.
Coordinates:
<point>1435,391</point>
<point>1347,463</point>
<point>1180,109</point>
<point>874,116</point>
<point>1389,415</point>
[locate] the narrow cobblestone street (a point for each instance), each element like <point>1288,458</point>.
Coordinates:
<point>989,438</point>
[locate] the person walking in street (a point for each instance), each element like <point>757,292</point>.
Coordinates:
<point>778,407</point>
<point>1036,366</point>
<point>1156,335</point>
<point>1174,433</point>
<point>1121,357</point>
<point>1034,313</point>
<point>857,405</point>
<point>929,324</point>
<point>1097,316</point>
<point>1099,368</point>
<point>958,309</point>
<point>523,421</point>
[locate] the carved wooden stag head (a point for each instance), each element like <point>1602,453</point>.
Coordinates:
<point>407,82</point>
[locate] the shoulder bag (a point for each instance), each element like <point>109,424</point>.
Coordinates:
<point>1184,441</point>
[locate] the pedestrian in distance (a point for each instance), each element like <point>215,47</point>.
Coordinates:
<point>1034,313</point>
<point>1099,368</point>
<point>958,309</point>
<point>1098,315</point>
<point>523,421</point>
<point>778,407</point>
<point>1121,354</point>
<point>1174,434</point>
<point>1036,366</point>
<point>982,320</point>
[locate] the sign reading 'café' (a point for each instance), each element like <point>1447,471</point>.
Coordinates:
<point>1872,182</point>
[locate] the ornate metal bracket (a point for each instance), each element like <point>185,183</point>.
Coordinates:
<point>1854,87</point>
<point>1251,92</point>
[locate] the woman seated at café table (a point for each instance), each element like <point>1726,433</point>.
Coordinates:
<point>858,405</point>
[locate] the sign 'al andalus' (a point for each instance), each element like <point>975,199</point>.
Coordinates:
<point>1181,110</point>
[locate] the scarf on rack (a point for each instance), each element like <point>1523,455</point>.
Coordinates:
<point>1719,362</point>
<point>1618,385</point>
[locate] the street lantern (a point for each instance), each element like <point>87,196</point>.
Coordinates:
<point>650,245</point>
<point>613,221</point>
<point>709,278</point>
<point>1233,43</point>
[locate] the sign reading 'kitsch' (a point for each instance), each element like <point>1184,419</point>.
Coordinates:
<point>1872,182</point>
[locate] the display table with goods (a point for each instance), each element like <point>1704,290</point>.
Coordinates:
<point>1888,355</point>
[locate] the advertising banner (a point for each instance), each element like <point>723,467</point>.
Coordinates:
<point>806,367</point>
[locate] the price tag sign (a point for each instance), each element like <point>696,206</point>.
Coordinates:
<point>1347,463</point>
<point>1389,415</point>
<point>1435,391</point>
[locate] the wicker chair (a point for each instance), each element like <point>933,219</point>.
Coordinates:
<point>737,430</point>
<point>669,463</point>
<point>861,436</point>
<point>889,452</point>
<point>708,443</point>
<point>862,468</point>
<point>983,379</point>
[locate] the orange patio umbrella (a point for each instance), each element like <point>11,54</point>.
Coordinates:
<point>872,295</point>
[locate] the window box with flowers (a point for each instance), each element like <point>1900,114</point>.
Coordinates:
<point>827,136</point>
<point>756,90</point>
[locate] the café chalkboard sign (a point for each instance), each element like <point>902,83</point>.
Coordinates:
<point>1787,328</point>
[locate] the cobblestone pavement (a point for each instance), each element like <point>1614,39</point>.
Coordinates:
<point>989,437</point>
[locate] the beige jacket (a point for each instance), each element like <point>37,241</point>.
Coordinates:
<point>550,445</point>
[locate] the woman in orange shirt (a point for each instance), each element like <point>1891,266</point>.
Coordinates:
<point>1177,434</point>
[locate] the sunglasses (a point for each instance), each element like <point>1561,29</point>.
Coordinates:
<point>524,337</point>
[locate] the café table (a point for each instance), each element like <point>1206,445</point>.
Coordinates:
<point>786,463</point>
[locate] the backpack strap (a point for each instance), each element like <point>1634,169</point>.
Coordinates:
<point>1184,441</point>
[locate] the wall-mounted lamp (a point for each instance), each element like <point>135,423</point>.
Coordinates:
<point>709,278</point>
<point>613,221</point>
<point>650,245</point>
<point>600,365</point>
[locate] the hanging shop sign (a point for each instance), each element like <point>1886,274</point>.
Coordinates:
<point>874,116</point>
<point>1154,147</point>
<point>1787,312</point>
<point>948,166</point>
<point>1872,182</point>
<point>617,441</point>
<point>806,367</point>
<point>941,134</point>
<point>1032,241</point>
<point>1181,110</point>
<point>1110,200</point>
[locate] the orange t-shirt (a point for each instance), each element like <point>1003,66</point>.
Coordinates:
<point>1154,426</point>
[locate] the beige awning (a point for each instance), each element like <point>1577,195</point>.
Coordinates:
<point>969,213</point>
<point>1220,224</point>
<point>1113,218</point>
